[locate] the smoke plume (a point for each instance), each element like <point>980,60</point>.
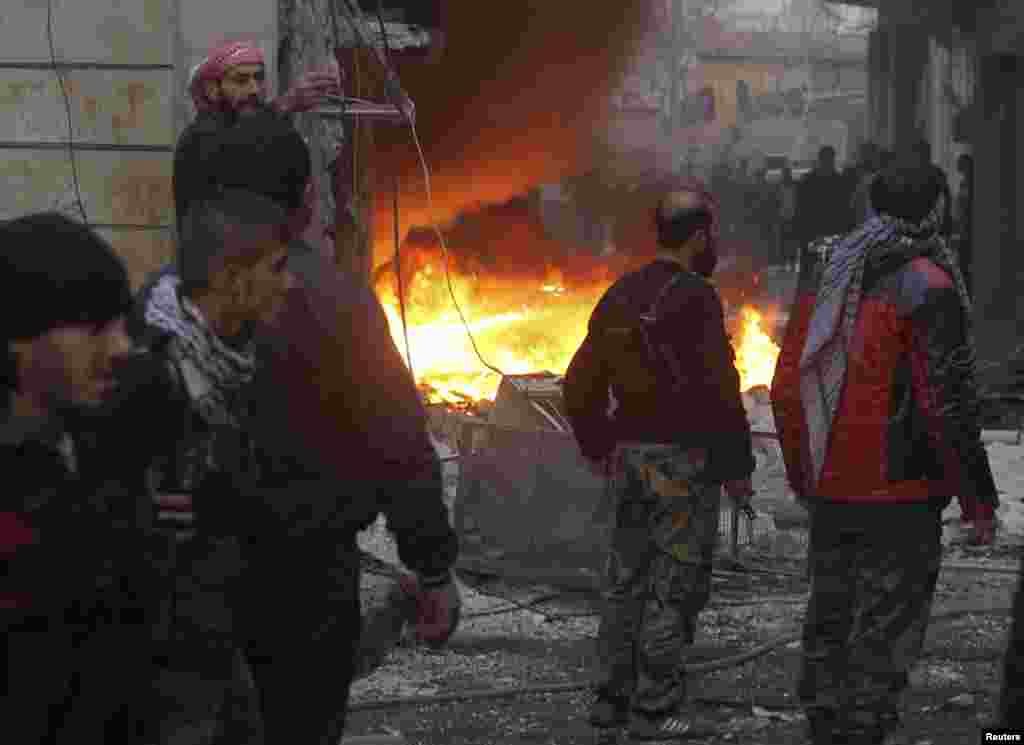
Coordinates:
<point>514,100</point>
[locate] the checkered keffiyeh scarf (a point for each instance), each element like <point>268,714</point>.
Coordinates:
<point>213,372</point>
<point>823,364</point>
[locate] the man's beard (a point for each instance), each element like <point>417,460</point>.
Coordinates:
<point>251,106</point>
<point>234,110</point>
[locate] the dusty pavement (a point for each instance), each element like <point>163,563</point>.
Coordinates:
<point>954,684</point>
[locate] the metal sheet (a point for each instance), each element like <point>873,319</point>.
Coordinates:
<point>107,106</point>
<point>133,188</point>
<point>136,31</point>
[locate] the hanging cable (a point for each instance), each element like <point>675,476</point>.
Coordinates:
<point>398,241</point>
<point>67,110</point>
<point>401,285</point>
<point>383,31</point>
<point>402,104</point>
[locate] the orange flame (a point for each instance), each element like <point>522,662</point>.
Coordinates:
<point>756,353</point>
<point>520,326</point>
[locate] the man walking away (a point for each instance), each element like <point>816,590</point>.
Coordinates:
<point>876,407</point>
<point>678,432</point>
<point>823,202</point>
<point>921,156</point>
<point>82,572</point>
<point>788,242</point>
<point>868,168</point>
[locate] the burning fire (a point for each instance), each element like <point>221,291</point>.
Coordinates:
<point>756,353</point>
<point>520,326</point>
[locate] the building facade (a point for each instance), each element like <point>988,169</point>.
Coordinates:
<point>953,72</point>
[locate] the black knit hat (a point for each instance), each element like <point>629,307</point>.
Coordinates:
<point>56,272</point>
<point>262,153</point>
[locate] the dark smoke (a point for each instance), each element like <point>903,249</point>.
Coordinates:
<point>504,246</point>
<point>515,100</point>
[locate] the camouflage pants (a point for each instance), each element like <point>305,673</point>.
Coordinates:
<point>873,574</point>
<point>658,576</point>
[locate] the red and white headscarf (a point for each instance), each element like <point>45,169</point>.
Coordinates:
<point>219,61</point>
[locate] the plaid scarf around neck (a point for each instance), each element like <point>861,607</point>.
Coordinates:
<point>213,373</point>
<point>823,363</point>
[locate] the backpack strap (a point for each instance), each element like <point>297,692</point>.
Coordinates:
<point>666,358</point>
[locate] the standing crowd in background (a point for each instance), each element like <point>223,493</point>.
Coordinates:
<point>773,216</point>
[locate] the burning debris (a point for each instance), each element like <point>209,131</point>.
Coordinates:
<point>526,299</point>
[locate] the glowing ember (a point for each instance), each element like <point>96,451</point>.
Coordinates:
<point>756,353</point>
<point>520,326</point>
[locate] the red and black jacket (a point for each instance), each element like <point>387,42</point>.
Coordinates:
<point>907,425</point>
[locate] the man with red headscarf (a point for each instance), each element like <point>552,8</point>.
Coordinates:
<point>229,83</point>
<point>233,78</point>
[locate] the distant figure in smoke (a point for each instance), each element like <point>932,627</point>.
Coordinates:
<point>788,240</point>
<point>657,341</point>
<point>861,177</point>
<point>876,405</point>
<point>921,156</point>
<point>822,202</point>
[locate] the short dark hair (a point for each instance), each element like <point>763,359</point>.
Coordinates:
<point>827,152</point>
<point>906,191</point>
<point>55,272</point>
<point>676,224</point>
<point>262,153</point>
<point>223,230</point>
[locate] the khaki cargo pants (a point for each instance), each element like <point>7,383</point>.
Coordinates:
<point>658,575</point>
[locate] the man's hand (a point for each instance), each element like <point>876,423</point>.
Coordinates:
<point>981,531</point>
<point>740,491</point>
<point>600,467</point>
<point>437,610</point>
<point>311,90</point>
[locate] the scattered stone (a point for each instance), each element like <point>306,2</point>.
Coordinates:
<point>963,701</point>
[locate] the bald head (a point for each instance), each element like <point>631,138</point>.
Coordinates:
<point>679,216</point>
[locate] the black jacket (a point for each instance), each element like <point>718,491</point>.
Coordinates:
<point>351,423</point>
<point>82,593</point>
<point>706,412</point>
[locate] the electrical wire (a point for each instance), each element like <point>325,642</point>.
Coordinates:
<point>395,90</point>
<point>401,285</point>
<point>67,110</point>
<point>397,238</point>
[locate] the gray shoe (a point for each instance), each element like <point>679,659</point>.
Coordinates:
<point>643,728</point>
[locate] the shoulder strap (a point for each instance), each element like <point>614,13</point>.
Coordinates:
<point>652,312</point>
